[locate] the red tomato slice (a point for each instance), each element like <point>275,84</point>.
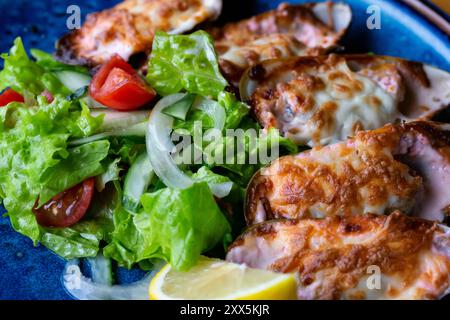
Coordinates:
<point>8,96</point>
<point>68,207</point>
<point>118,86</point>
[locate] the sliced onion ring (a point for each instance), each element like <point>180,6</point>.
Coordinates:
<point>83,288</point>
<point>160,146</point>
<point>221,190</point>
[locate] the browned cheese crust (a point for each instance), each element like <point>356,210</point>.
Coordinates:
<point>399,167</point>
<point>322,100</point>
<point>289,30</point>
<point>128,29</point>
<point>335,257</point>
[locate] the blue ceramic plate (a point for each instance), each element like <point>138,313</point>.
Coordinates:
<point>28,272</point>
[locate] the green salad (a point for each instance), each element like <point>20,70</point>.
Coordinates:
<point>84,179</point>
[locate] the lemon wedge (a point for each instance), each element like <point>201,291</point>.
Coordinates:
<point>218,279</point>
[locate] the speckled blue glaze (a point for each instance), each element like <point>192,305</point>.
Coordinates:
<point>28,272</point>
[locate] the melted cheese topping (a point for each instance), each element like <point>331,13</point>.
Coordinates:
<point>350,178</point>
<point>129,27</point>
<point>312,24</point>
<point>234,60</point>
<point>324,104</point>
<point>398,167</point>
<point>336,258</point>
<point>300,30</point>
<point>264,48</point>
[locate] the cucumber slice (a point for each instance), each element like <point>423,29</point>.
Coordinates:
<point>180,108</point>
<point>79,94</point>
<point>137,130</point>
<point>137,182</point>
<point>73,80</point>
<point>92,104</point>
<point>101,270</point>
<point>114,120</point>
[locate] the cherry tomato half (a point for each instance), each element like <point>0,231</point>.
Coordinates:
<point>118,86</point>
<point>8,96</point>
<point>68,207</point>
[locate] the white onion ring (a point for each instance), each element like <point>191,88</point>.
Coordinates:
<point>159,147</point>
<point>83,288</point>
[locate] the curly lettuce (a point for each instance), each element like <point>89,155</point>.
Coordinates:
<point>36,162</point>
<point>48,148</point>
<point>174,225</point>
<point>26,76</point>
<point>185,63</point>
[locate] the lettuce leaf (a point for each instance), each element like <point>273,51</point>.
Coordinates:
<point>205,175</point>
<point>49,63</point>
<point>174,225</point>
<point>82,162</point>
<point>79,241</point>
<point>185,62</point>
<point>35,160</point>
<point>234,109</point>
<point>112,173</point>
<point>25,75</point>
<point>235,112</point>
<point>231,164</point>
